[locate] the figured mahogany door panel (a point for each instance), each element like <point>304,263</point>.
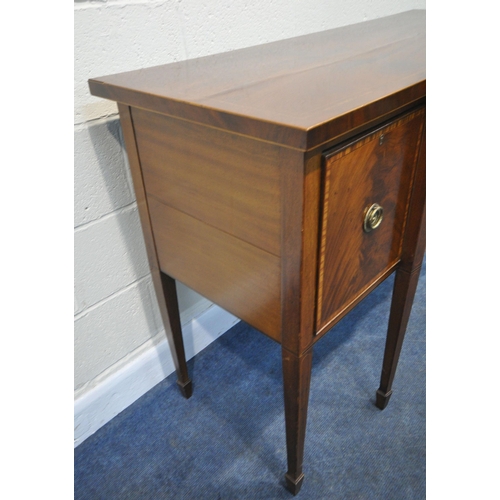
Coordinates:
<point>226,180</point>
<point>235,275</point>
<point>376,169</point>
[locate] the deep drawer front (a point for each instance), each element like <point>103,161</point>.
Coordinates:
<point>375,171</point>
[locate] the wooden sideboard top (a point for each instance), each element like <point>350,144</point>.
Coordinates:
<point>298,92</point>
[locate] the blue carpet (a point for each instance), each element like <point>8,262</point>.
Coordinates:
<point>228,441</point>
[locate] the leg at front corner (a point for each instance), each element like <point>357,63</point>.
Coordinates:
<point>296,381</point>
<point>174,335</point>
<point>406,281</point>
<point>405,286</point>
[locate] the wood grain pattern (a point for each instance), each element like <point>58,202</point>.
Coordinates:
<point>138,182</point>
<point>298,92</point>
<point>296,382</point>
<point>292,183</point>
<point>239,277</point>
<point>358,175</point>
<point>165,290</point>
<point>413,250</point>
<point>406,281</point>
<point>175,339</point>
<point>240,199</point>
<point>228,181</point>
<point>310,239</point>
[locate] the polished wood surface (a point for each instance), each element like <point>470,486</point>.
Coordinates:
<point>297,381</point>
<point>377,168</point>
<point>405,283</point>
<point>253,171</point>
<point>225,180</point>
<point>299,92</point>
<point>309,256</point>
<point>239,277</point>
<point>175,338</point>
<point>165,290</point>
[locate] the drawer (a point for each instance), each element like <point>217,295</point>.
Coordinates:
<point>363,180</point>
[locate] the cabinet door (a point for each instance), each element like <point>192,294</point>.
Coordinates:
<point>366,187</point>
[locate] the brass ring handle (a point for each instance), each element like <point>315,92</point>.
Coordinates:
<point>373,217</point>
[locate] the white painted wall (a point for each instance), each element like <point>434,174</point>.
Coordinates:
<point>116,316</point>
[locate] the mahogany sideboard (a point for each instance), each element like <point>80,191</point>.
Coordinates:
<point>284,182</point>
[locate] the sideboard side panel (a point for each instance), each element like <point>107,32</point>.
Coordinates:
<point>223,179</point>
<point>237,276</point>
<point>215,207</point>
<point>166,300</point>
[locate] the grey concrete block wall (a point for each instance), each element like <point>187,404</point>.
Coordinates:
<point>109,255</point>
<point>102,184</point>
<point>116,316</point>
<point>112,330</point>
